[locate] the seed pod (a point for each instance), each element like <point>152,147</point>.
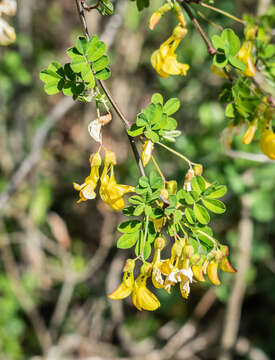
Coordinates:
<point>198,272</point>
<point>212,272</point>
<point>226,266</point>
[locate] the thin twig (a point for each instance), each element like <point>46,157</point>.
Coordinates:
<point>234,305</point>
<point>211,50</point>
<point>260,158</point>
<point>33,157</point>
<point>24,299</point>
<point>107,92</point>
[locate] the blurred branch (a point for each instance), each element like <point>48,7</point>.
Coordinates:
<point>263,6</point>
<point>61,108</point>
<point>234,305</point>
<point>24,298</point>
<point>260,158</point>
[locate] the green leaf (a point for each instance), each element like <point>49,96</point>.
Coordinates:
<point>53,78</point>
<point>157,99</point>
<point>151,135</point>
<point>218,42</point>
<point>103,74</point>
<point>177,216</point>
<point>155,180</point>
<point>190,216</point>
<point>216,191</point>
<point>105,7</point>
<point>135,199</point>
<point>80,64</point>
<point>129,226</point>
<point>142,120</point>
<point>144,181</point>
<point>135,130</point>
<point>129,210</point>
<point>147,210</point>
<point>139,210</point>
<point>198,184</point>
<point>147,250</point>
<point>213,205</point>
<point>101,63</point>
<point>230,111</point>
<point>237,63</point>
<point>191,197</point>
<point>95,49</point>
<point>201,214</point>
<point>171,124</point>
<point>220,60</point>
<point>171,106</point>
<point>81,45</point>
<point>231,41</point>
<point>126,241</point>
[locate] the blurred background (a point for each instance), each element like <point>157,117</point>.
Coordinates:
<point>58,259</point>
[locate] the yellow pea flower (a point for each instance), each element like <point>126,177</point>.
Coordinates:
<point>142,297</point>
<point>111,192</point>
<point>218,71</point>
<point>147,149</point>
<point>127,285</point>
<point>86,190</point>
<point>250,132</point>
<point>245,55</point>
<point>267,141</point>
<point>164,60</point>
<point>157,279</point>
<point>157,15</point>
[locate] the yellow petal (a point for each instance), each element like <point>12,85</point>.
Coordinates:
<point>125,288</point>
<point>212,272</point>
<point>146,299</point>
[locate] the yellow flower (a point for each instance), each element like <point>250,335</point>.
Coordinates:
<point>111,192</point>
<point>127,285</point>
<point>267,141</point>
<point>218,71</point>
<point>157,15</point>
<point>147,149</point>
<point>164,60</point>
<point>250,132</point>
<point>143,298</point>
<point>157,279</point>
<point>86,190</point>
<point>245,55</point>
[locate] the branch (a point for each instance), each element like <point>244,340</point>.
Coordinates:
<point>234,305</point>
<point>32,159</point>
<point>107,92</point>
<point>260,158</point>
<point>211,50</point>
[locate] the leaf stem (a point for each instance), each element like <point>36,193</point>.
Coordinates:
<point>176,153</point>
<point>158,169</point>
<point>145,235</point>
<point>225,13</point>
<point>211,50</point>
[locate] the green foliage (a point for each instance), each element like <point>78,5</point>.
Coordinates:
<point>77,78</point>
<point>155,121</point>
<point>227,45</point>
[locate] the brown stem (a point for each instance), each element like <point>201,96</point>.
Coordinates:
<point>211,50</point>
<point>126,122</point>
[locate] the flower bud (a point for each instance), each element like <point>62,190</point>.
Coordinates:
<point>195,258</point>
<point>159,243</point>
<point>198,169</point>
<point>145,269</point>
<point>129,265</point>
<point>164,193</point>
<point>157,15</point>
<point>110,157</point>
<point>179,32</point>
<point>188,251</point>
<point>176,249</point>
<point>147,149</point>
<point>179,14</point>
<point>245,55</point>
<point>171,187</point>
<point>95,159</point>
<point>250,132</point>
<point>225,250</point>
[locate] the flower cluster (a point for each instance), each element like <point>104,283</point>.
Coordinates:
<point>181,267</point>
<point>110,191</point>
<point>164,60</point>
